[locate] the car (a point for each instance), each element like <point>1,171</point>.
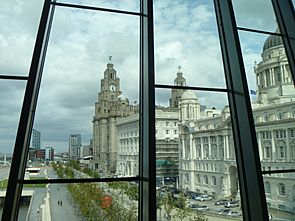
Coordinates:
<point>199,207</point>
<point>193,195</point>
<point>221,202</point>
<point>234,213</point>
<point>223,211</point>
<point>204,198</point>
<point>231,204</point>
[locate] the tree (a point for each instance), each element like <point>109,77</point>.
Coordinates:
<point>169,204</point>
<point>182,210</point>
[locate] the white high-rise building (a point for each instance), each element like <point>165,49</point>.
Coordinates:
<point>36,139</point>
<point>75,144</point>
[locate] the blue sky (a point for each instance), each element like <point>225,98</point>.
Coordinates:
<point>78,50</point>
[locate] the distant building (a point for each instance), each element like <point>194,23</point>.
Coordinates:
<point>49,153</point>
<point>75,144</point>
<point>40,154</point>
<point>36,139</point>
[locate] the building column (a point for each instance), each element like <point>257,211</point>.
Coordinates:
<point>193,147</point>
<point>288,152</point>
<point>226,147</point>
<point>273,146</point>
<point>261,153</point>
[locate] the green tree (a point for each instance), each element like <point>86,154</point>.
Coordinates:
<point>168,203</point>
<point>182,209</point>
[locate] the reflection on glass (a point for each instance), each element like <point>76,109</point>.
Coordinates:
<point>88,104</point>
<point>186,41</point>
<point>273,104</point>
<point>197,137</point>
<point>249,14</point>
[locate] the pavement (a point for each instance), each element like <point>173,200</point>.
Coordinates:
<point>52,194</point>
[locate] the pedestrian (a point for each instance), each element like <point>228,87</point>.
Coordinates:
<point>60,203</point>
<point>57,202</point>
<point>37,210</point>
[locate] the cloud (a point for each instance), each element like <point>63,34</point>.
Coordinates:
<point>78,50</point>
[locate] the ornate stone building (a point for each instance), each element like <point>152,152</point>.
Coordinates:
<point>167,119</point>
<point>110,106</point>
<point>207,153</point>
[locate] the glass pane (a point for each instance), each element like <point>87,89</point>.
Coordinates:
<point>20,20</point>
<point>126,5</point>
<point>187,44</point>
<point>273,104</point>
<point>81,201</point>
<point>196,139</point>
<point>11,99</point>
<point>88,103</point>
<point>280,194</point>
<point>249,14</point>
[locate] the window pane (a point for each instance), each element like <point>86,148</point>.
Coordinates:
<point>280,192</point>
<point>204,153</point>
<point>273,95</point>
<point>20,20</point>
<point>84,93</point>
<point>186,42</point>
<point>81,201</point>
<point>11,99</point>
<point>126,5</point>
<point>249,14</point>
<point>273,100</point>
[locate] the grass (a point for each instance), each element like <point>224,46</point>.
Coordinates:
<point>3,183</point>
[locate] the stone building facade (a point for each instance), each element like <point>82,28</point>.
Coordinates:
<point>110,106</point>
<point>207,153</point>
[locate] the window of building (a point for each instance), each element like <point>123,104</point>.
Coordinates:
<point>213,180</point>
<point>205,179</point>
<point>267,187</point>
<point>282,189</point>
<point>280,115</point>
<point>142,23</point>
<point>265,117</point>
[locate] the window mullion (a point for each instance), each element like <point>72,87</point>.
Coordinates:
<point>147,169</point>
<point>247,155</point>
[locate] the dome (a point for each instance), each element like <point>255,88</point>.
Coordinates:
<point>189,95</point>
<point>122,98</point>
<point>272,41</point>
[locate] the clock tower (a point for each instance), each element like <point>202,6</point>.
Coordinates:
<point>107,110</point>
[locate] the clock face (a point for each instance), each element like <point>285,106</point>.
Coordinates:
<point>112,88</point>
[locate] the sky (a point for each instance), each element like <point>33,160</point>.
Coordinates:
<point>81,41</point>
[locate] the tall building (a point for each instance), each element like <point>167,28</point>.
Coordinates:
<point>49,153</point>
<point>75,144</point>
<point>110,106</point>
<point>36,139</point>
<point>207,152</point>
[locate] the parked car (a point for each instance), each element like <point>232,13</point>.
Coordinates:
<point>221,202</point>
<point>223,211</point>
<point>199,207</point>
<point>231,204</point>
<point>234,213</point>
<point>204,198</point>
